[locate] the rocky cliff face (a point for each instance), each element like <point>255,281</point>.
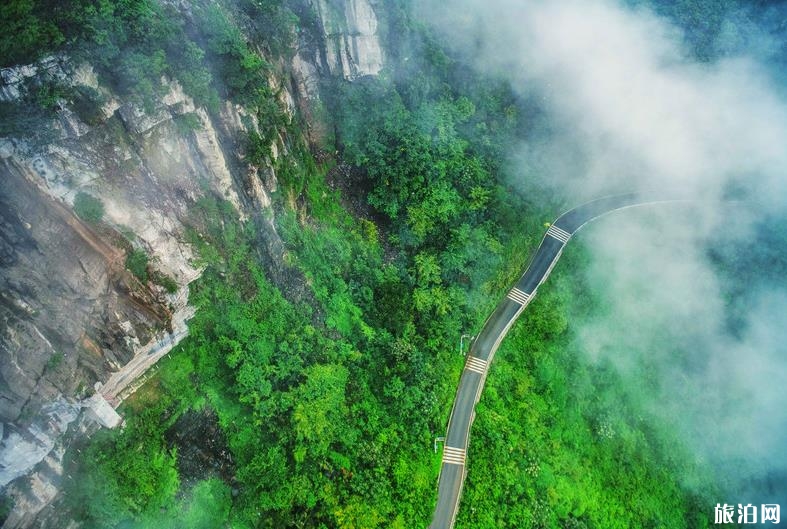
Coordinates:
<point>72,317</point>
<point>348,44</point>
<point>352,45</point>
<point>72,314</point>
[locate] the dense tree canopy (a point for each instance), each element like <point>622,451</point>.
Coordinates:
<point>330,396</point>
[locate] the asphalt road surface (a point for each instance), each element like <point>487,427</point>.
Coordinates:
<point>482,351</point>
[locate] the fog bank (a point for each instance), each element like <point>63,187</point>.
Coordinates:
<point>628,108</point>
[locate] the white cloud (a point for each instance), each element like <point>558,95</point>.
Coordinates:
<point>628,109</point>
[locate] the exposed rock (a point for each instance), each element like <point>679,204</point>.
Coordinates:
<point>137,121</point>
<point>7,148</point>
<point>256,190</point>
<point>84,75</point>
<point>70,314</point>
<point>24,448</point>
<point>215,163</point>
<point>32,495</point>
<point>49,303</point>
<point>177,101</point>
<point>126,380</point>
<point>70,124</point>
<point>102,411</point>
<point>13,80</point>
<point>351,43</point>
<point>307,77</point>
<point>357,48</point>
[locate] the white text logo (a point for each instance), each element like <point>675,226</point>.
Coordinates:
<point>747,514</point>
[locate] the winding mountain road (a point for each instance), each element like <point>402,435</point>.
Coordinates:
<point>482,351</point>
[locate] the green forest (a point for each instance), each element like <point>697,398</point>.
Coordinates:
<point>327,402</point>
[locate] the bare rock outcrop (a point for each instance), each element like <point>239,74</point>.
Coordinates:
<point>350,47</point>
<point>71,315</point>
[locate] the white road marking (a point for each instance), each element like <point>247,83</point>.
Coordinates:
<point>556,233</point>
<point>476,365</point>
<point>518,296</point>
<point>453,456</point>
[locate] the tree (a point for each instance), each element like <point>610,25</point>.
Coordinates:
<point>320,408</point>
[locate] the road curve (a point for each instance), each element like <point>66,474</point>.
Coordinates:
<point>482,351</point>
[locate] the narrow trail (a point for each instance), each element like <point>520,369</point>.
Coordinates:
<point>126,380</point>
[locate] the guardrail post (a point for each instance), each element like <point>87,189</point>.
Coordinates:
<point>462,343</point>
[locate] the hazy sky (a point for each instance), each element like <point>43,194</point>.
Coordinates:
<point>629,109</point>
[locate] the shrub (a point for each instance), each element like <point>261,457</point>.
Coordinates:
<point>88,208</point>
<point>239,67</point>
<point>87,103</point>
<point>24,119</point>
<point>137,264</point>
<point>162,279</point>
<point>48,93</point>
<point>54,361</point>
<point>188,122</point>
<point>6,505</point>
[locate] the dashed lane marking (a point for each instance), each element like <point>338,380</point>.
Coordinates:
<point>518,296</point>
<point>476,365</point>
<point>453,456</point>
<point>556,233</point>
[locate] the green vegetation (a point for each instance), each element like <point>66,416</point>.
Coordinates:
<point>87,103</point>
<point>333,422</point>
<point>188,122</point>
<point>48,94</point>
<point>257,359</point>
<point>134,44</point>
<point>131,473</point>
<point>88,208</point>
<point>330,392</point>
<point>137,264</point>
<point>54,361</point>
<point>128,234</point>
<point>717,28</point>
<point>26,31</point>
<point>560,442</point>
<point>239,67</point>
<point>162,279</point>
<point>315,389</point>
<point>6,504</point>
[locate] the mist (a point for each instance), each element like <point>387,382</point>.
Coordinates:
<point>628,107</point>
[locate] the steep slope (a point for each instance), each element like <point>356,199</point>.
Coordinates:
<point>74,310</point>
